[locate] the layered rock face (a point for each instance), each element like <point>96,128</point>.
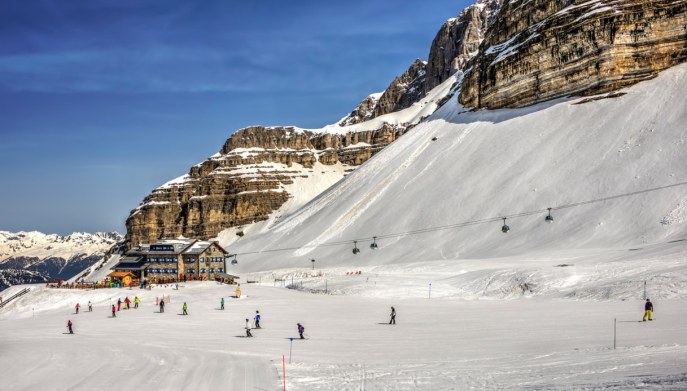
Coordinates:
<point>458,41</point>
<point>248,179</point>
<point>540,50</point>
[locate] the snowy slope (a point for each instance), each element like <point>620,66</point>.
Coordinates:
<point>488,164</point>
<point>436,344</point>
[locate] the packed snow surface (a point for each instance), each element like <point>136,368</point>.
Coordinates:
<point>478,327</point>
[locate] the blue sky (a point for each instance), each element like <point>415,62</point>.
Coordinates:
<point>102,101</point>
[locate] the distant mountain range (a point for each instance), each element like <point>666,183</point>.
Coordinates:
<point>28,257</point>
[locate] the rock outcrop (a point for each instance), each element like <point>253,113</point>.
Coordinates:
<point>364,112</point>
<point>403,91</point>
<point>540,50</point>
<point>249,179</point>
<point>458,41</point>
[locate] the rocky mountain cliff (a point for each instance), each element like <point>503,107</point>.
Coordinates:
<point>458,41</point>
<point>539,50</point>
<point>495,53</point>
<point>35,257</point>
<point>249,179</point>
<point>265,172</point>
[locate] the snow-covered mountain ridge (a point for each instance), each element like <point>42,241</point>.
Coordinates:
<point>40,245</point>
<point>35,256</point>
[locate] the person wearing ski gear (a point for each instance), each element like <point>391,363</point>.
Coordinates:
<point>90,306</point>
<point>114,313</point>
<point>162,305</point>
<point>69,326</point>
<point>136,301</point>
<point>184,309</point>
<point>77,307</point>
<point>248,334</point>
<point>301,330</point>
<point>221,304</point>
<point>119,304</point>
<point>393,316</point>
<point>127,302</point>
<point>257,319</point>
<point>648,310</point>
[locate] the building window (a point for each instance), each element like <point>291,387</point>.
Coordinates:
<point>220,270</point>
<point>202,270</point>
<point>212,270</point>
<point>190,260</point>
<point>191,271</point>
<point>202,259</point>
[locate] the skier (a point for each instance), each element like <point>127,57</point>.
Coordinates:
<point>114,313</point>
<point>648,310</point>
<point>301,330</point>
<point>90,306</point>
<point>393,316</point>
<point>69,326</point>
<point>162,305</point>
<point>248,334</point>
<point>184,308</point>
<point>136,301</point>
<point>119,304</point>
<point>221,304</point>
<point>77,307</point>
<point>257,319</point>
<point>127,302</point>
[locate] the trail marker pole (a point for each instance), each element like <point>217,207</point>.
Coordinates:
<point>325,286</point>
<point>283,369</point>
<point>430,291</point>
<point>290,348</point>
<point>615,324</point>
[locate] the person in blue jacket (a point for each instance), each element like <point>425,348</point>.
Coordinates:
<point>257,319</point>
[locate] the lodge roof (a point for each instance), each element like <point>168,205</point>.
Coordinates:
<point>121,274</point>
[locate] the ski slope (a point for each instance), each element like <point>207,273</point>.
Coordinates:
<point>488,164</point>
<point>437,344</point>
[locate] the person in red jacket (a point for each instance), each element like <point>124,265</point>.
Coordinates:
<point>114,311</point>
<point>69,326</point>
<point>77,307</point>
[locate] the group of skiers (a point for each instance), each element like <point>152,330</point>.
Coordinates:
<point>648,312</point>
<point>256,320</point>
